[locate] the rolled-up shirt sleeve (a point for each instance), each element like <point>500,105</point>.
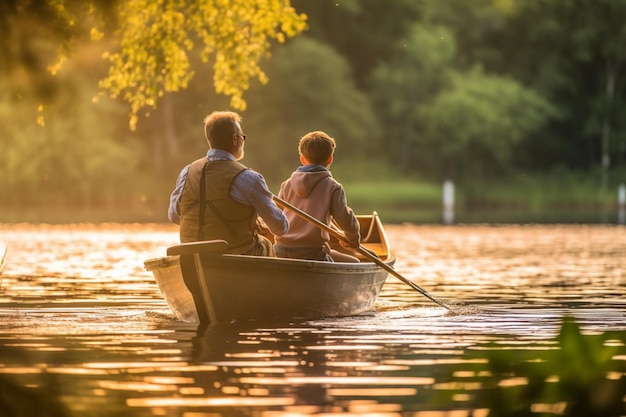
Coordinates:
<point>172,211</point>
<point>249,187</point>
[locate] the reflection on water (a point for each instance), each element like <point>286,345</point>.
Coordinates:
<point>84,330</point>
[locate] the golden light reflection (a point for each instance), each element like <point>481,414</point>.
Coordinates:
<point>345,347</point>
<point>255,370</point>
<point>373,368</point>
<point>91,298</point>
<point>136,386</point>
<point>463,374</point>
<point>299,411</point>
<point>266,354</point>
<point>231,390</point>
<point>454,352</point>
<point>434,361</point>
<point>362,380</point>
<point>259,392</point>
<point>458,386</point>
<point>191,390</point>
<point>256,364</point>
<point>372,407</point>
<point>168,380</point>
<point>482,412</point>
<point>9,370</point>
<point>513,382</point>
<point>130,365</point>
<point>371,392</point>
<point>350,364</point>
<point>555,408</point>
<point>80,371</point>
<point>209,401</point>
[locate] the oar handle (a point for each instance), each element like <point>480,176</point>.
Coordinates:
<point>361,249</point>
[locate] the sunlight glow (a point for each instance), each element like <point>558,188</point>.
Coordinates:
<point>209,402</point>
<point>289,380</point>
<point>371,392</point>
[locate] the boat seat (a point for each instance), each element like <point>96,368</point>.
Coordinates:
<point>378,248</point>
<point>191,248</point>
<point>194,250</point>
<point>372,228</point>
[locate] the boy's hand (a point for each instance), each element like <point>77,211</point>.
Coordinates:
<point>349,245</point>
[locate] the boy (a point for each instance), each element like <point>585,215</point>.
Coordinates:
<point>312,189</point>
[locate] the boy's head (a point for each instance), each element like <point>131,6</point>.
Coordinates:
<point>317,148</point>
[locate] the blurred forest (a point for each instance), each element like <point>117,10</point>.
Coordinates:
<point>481,92</point>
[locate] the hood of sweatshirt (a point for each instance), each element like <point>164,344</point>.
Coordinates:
<point>306,177</point>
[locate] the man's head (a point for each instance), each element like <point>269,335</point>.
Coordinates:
<point>316,148</point>
<point>222,130</point>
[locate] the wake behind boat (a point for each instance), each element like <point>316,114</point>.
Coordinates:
<point>225,287</point>
<point>3,252</point>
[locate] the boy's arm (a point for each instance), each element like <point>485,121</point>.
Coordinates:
<point>345,218</point>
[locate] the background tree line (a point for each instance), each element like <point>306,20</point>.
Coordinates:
<point>477,91</point>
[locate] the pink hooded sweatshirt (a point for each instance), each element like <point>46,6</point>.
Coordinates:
<point>312,189</point>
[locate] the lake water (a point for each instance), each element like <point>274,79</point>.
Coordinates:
<point>84,330</point>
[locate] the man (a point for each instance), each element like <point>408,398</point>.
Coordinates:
<point>216,197</point>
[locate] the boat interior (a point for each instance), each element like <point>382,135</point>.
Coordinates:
<point>373,238</point>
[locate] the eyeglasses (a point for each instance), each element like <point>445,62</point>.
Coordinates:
<point>242,135</point>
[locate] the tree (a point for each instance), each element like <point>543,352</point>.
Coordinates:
<point>572,53</point>
<point>477,123</point>
<point>312,88</point>
<point>361,31</point>
<point>66,163</point>
<point>408,82</point>
<point>153,40</point>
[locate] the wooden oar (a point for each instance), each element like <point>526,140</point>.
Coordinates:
<point>361,249</point>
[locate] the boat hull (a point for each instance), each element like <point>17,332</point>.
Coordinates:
<point>243,288</point>
<point>201,283</point>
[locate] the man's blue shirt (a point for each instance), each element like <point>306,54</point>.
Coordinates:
<point>249,187</point>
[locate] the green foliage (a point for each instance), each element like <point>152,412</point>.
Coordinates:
<point>408,83</point>
<point>572,53</point>
<point>156,37</point>
<point>64,161</point>
<point>580,376</point>
<point>379,193</point>
<point>311,90</point>
<point>479,121</point>
<point>557,188</point>
<point>361,31</point>
<point>394,82</point>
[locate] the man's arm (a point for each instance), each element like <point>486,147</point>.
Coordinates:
<point>172,211</point>
<point>249,187</point>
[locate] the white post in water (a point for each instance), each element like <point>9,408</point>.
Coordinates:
<point>621,204</point>
<point>448,202</point>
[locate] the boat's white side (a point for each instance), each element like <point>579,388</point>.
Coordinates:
<point>335,288</point>
<point>169,277</point>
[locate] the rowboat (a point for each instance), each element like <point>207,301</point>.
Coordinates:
<point>201,284</point>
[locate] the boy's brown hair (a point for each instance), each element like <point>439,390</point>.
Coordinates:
<point>317,147</point>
